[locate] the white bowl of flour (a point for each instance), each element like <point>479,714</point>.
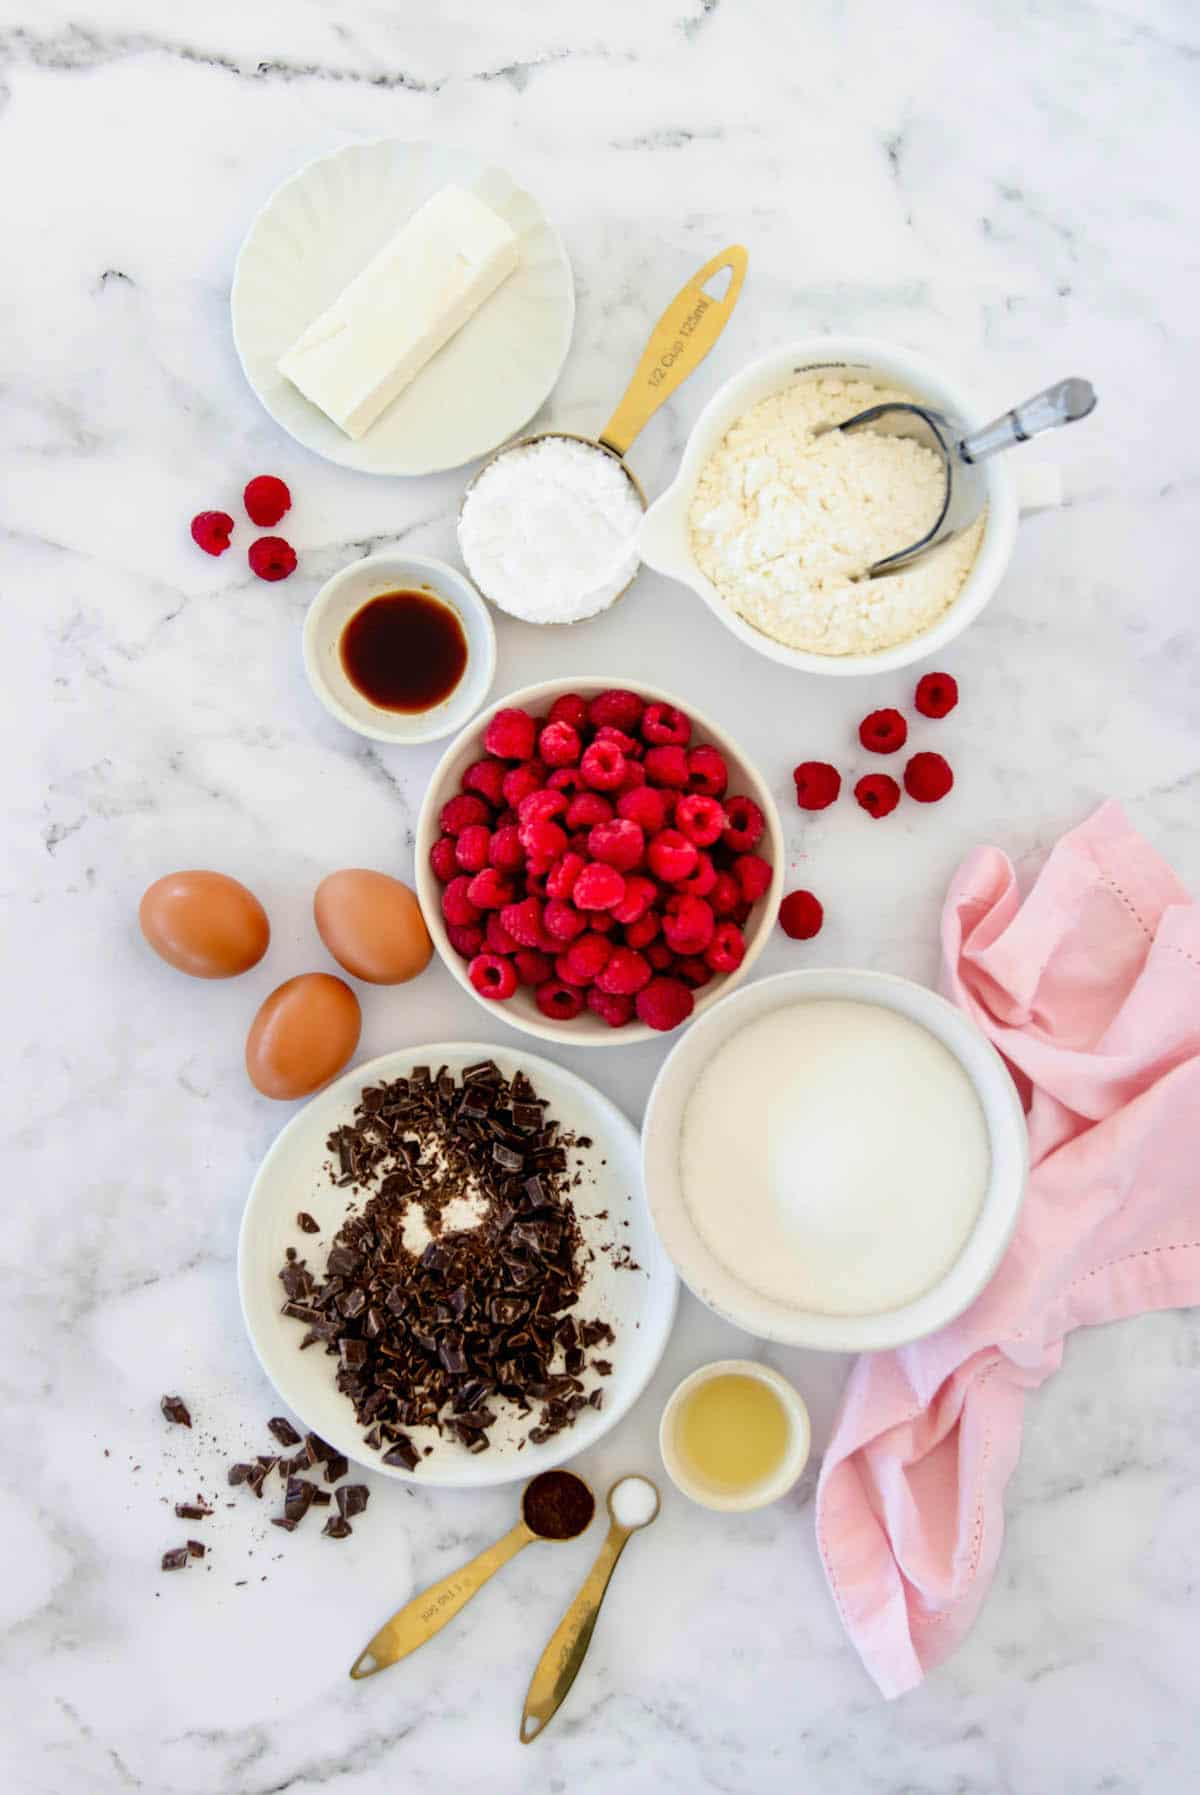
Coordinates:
<point>835,1160</point>
<point>747,521</point>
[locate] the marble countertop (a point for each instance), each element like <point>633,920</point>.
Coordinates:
<point>998,187</point>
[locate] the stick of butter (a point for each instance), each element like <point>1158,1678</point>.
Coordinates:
<point>409,300</point>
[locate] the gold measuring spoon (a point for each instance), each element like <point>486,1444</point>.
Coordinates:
<point>678,344</point>
<point>557,1505</point>
<point>633,1502</point>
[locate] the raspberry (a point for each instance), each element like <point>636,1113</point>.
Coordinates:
<point>524,923</point>
<point>466,938</point>
<point>701,819</point>
<point>645,807</point>
<point>211,531</point>
<point>535,882</point>
<point>488,890</point>
<point>541,806</point>
<point>618,843</point>
<point>559,745</point>
<point>660,956</point>
<point>486,777</point>
<point>602,766</point>
<point>616,1011</point>
<point>598,887</point>
<point>817,784</point>
<point>801,915</point>
<point>629,745</point>
<point>883,732</point>
<point>505,851</point>
<point>662,723</point>
<point>493,977</point>
<point>727,949</point>
<point>566,779</point>
<point>618,709</point>
<point>667,765</point>
<point>570,708</point>
<point>746,822</point>
<point>878,793</point>
<point>442,858</point>
<point>672,856</point>
<point>460,812</point>
<point>603,921</point>
<point>271,558</point>
<point>520,781</point>
<point>687,924</point>
<point>633,778</point>
<point>642,931</point>
<point>753,874</point>
<point>701,882</point>
<point>725,896</point>
<point>640,893</point>
<point>558,1001</point>
<point>510,735</point>
<point>578,844</point>
<point>586,956</point>
<point>693,972</point>
<point>707,771</point>
<point>625,972</point>
<point>927,777</point>
<point>937,694</point>
<point>588,809</point>
<point>456,903</point>
<point>471,847</point>
<point>664,1003</point>
<point>498,939</point>
<point>532,968</point>
<point>560,880</point>
<point>266,499</point>
<point>562,920</point>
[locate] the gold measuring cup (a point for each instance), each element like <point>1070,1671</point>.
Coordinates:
<point>562,1659</point>
<point>436,1606</point>
<point>678,344</point>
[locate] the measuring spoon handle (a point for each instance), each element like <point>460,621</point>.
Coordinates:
<point>678,344</point>
<point>430,1611</point>
<point>560,1663</point>
<point>1063,403</point>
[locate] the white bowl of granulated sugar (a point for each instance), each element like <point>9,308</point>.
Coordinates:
<point>773,530</point>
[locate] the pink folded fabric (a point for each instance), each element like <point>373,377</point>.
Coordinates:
<point>1091,991</point>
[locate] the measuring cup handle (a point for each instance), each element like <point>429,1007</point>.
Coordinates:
<point>678,344</point>
<point>1063,403</point>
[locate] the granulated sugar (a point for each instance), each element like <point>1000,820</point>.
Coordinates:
<point>785,523</point>
<point>549,530</point>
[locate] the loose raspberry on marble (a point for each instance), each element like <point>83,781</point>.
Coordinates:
<point>671,856</point>
<point>664,1003</point>
<point>271,558</point>
<point>569,708</point>
<point>727,949</point>
<point>465,938</point>
<point>618,843</point>
<point>459,812</point>
<point>490,890</point>
<point>585,958</point>
<point>486,777</point>
<point>617,709</point>
<point>588,809</point>
<point>532,967</point>
<point>471,847</point>
<point>663,724</point>
<point>753,874</point>
<point>644,806</point>
<point>521,781</point>
<point>801,915</point>
<point>640,894</point>
<point>598,887</point>
<point>707,771</point>
<point>667,765</point>
<point>559,745</point>
<point>817,784</point>
<point>688,924</point>
<point>562,920</point>
<point>878,794</point>
<point>624,973</point>
<point>928,778</point>
<point>456,903</point>
<point>883,732</point>
<point>745,824</point>
<point>442,858</point>
<point>511,735</point>
<point>266,499</point>
<point>211,531</point>
<point>505,852</point>
<point>937,694</point>
<point>616,1011</point>
<point>603,766</point>
<point>523,921</point>
<point>700,818</point>
<point>562,1003</point>
<point>493,977</point>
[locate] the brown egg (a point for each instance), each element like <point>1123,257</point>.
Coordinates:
<point>303,1035</point>
<point>372,925</point>
<point>205,923</point>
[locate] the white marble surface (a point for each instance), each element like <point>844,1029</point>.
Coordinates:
<point>1005,187</point>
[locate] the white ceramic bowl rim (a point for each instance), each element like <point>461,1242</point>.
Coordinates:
<point>790,1468</point>
<point>737,1302</point>
<point>664,544</point>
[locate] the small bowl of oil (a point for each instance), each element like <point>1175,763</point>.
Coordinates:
<point>735,1435</point>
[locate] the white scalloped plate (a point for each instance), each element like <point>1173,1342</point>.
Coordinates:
<point>314,235</point>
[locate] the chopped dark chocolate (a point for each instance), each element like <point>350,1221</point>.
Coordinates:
<point>337,1527</point>
<point>177,1559</point>
<point>321,1498</point>
<point>306,1224</point>
<point>402,1453</point>
<point>336,1466</point>
<point>176,1410</point>
<point>316,1449</point>
<point>195,1548</point>
<point>352,1498</point>
<point>283,1430</point>
<point>192,1511</point>
<point>285,1521</point>
<point>240,1473</point>
<point>298,1499</point>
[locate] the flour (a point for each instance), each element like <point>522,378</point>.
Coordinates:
<point>785,523</point>
<point>549,531</point>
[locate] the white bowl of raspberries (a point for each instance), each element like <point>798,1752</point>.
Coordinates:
<point>596,862</point>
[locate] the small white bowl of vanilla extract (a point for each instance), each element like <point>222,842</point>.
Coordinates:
<point>400,648</point>
<point>735,1435</point>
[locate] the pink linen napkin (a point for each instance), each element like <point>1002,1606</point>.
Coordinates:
<point>1091,991</point>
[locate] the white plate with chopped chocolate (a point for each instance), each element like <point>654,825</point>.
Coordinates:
<point>448,1268</point>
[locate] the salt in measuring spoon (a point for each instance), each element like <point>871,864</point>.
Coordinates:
<point>633,1503</point>
<point>555,1506</point>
